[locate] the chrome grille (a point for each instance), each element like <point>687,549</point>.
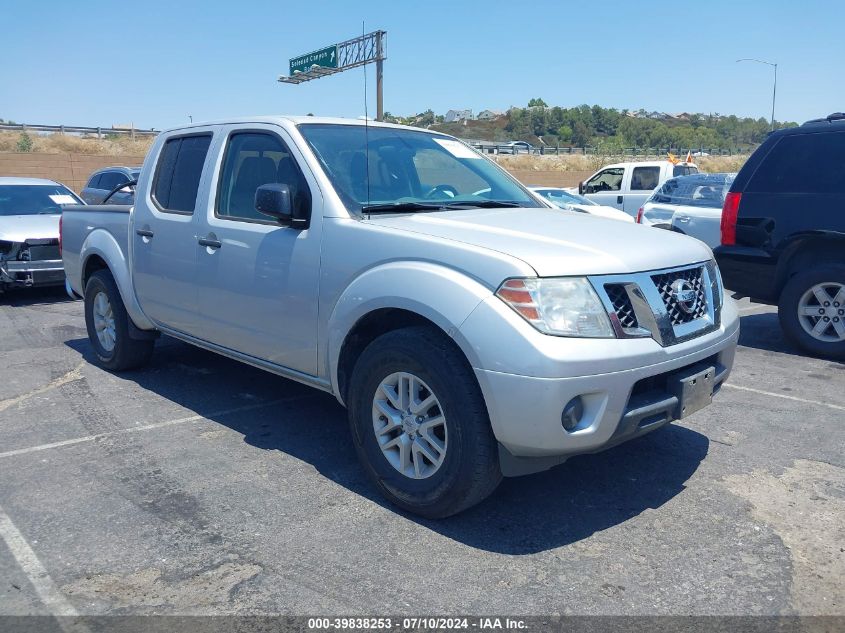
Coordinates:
<point>677,311</point>
<point>621,305</point>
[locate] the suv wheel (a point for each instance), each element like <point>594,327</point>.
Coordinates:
<point>812,311</point>
<point>420,425</point>
<point>108,326</point>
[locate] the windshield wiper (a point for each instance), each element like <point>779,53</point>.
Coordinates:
<point>481,204</point>
<point>398,207</point>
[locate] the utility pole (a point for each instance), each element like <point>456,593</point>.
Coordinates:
<point>774,88</point>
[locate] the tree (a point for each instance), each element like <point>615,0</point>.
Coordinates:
<point>580,134</point>
<point>24,143</point>
<point>564,133</point>
<point>537,103</point>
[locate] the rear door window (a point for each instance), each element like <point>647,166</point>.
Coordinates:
<point>645,178</point>
<point>111,179</point>
<point>94,183</point>
<point>803,163</point>
<point>178,173</point>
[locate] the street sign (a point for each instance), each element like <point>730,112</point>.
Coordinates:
<point>325,57</point>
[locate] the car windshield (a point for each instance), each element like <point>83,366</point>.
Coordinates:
<point>135,173</point>
<point>561,197</point>
<point>35,199</point>
<point>383,169</point>
<point>699,190</point>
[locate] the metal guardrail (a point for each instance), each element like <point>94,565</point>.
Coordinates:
<point>77,129</point>
<point>493,148</point>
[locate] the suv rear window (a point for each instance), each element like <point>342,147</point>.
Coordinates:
<point>684,170</point>
<point>803,163</point>
<point>179,171</point>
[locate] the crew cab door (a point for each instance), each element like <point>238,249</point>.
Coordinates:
<point>257,281</point>
<point>641,184</point>
<point>605,187</point>
<point>164,229</point>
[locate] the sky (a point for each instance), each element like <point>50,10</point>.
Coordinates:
<point>156,63</point>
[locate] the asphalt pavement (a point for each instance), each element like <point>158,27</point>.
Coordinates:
<point>199,485</point>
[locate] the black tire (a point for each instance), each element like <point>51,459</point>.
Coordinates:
<point>788,310</point>
<point>128,353</point>
<point>470,469</point>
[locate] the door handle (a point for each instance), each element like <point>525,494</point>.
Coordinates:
<point>144,232</point>
<point>682,218</point>
<point>209,242</point>
<point>618,199</point>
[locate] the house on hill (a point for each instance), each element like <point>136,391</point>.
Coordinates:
<point>458,115</point>
<point>489,115</point>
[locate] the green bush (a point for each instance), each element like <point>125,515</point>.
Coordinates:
<point>24,143</point>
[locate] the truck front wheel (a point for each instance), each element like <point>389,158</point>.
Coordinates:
<point>108,326</point>
<point>420,425</point>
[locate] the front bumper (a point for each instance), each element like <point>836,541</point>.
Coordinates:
<point>622,384</point>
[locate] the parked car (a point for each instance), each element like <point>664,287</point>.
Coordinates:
<point>627,186</point>
<point>689,204</point>
<point>516,147</point>
<point>783,232</point>
<point>470,330</point>
<point>30,209</point>
<point>104,181</point>
<point>573,202</point>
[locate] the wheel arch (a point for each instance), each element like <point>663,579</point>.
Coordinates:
<point>436,297</point>
<point>101,251</point>
<point>809,251</point>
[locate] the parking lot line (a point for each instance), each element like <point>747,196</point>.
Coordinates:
<point>778,395</point>
<point>73,374</point>
<point>148,427</point>
<point>34,570</point>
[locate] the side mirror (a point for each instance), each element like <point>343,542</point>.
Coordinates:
<point>274,200</point>
<point>581,188</point>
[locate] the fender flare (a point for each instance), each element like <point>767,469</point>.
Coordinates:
<point>442,295</point>
<point>101,243</point>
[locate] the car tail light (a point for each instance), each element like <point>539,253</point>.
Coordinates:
<point>729,214</point>
<point>61,217</point>
<point>640,216</point>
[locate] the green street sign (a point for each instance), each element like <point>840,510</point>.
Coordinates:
<point>325,57</point>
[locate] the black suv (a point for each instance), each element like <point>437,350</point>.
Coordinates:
<point>783,232</point>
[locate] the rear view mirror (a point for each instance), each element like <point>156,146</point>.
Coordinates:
<point>581,188</point>
<point>274,200</point>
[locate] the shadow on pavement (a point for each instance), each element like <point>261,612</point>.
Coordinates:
<point>34,296</point>
<point>763,332</point>
<point>525,515</point>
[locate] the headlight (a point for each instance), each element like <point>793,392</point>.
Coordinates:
<point>564,306</point>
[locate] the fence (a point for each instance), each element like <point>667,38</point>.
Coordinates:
<point>634,152</point>
<point>72,170</point>
<point>76,129</point>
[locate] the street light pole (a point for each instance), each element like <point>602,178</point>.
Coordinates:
<point>774,88</point>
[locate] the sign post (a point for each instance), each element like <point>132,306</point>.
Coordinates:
<point>336,58</point>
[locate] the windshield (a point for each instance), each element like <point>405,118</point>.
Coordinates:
<point>562,198</point>
<point>699,190</point>
<point>34,199</point>
<point>383,167</point>
<point>135,173</point>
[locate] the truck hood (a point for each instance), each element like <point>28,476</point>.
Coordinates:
<point>556,243</point>
<point>19,228</point>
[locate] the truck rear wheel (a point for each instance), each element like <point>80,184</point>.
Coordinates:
<point>420,425</point>
<point>812,310</point>
<point>108,326</point>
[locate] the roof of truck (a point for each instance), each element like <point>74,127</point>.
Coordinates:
<point>296,120</point>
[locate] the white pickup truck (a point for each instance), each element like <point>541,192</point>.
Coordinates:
<point>627,186</point>
<point>470,330</point>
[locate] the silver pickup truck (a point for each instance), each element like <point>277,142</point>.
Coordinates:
<point>470,330</point>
